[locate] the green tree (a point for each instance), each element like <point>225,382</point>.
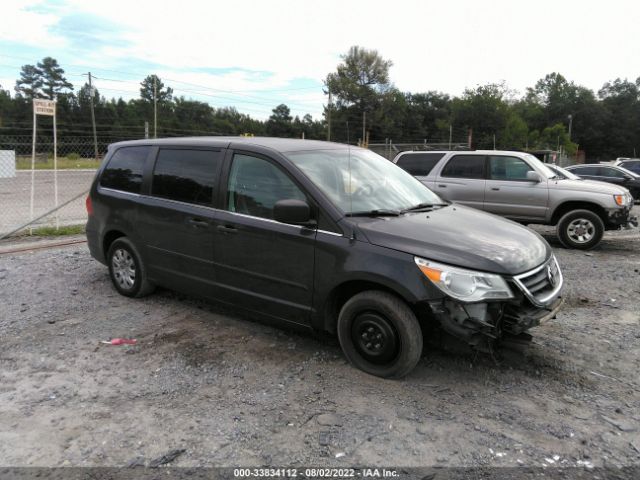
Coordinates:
<point>553,91</point>
<point>162,94</point>
<point>53,80</point>
<point>552,137</point>
<point>428,116</point>
<point>308,127</point>
<point>558,99</point>
<point>515,133</point>
<point>620,101</point>
<point>5,105</point>
<point>484,110</point>
<point>30,82</point>
<point>389,116</point>
<point>360,80</point>
<point>279,123</point>
<point>192,112</point>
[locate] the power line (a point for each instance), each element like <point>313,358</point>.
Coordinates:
<point>272,101</point>
<point>128,73</point>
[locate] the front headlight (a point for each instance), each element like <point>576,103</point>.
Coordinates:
<point>464,285</point>
<point>623,200</point>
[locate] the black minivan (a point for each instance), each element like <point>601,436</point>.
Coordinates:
<point>324,235</point>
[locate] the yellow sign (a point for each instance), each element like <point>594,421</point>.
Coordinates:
<point>44,107</point>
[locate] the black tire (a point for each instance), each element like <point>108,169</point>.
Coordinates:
<point>373,313</point>
<point>122,253</point>
<point>580,229</point>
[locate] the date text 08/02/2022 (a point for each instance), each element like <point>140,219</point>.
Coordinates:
<point>315,472</point>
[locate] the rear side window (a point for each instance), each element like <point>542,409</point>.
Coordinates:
<point>186,175</point>
<point>465,166</point>
<point>124,170</point>
<point>419,164</point>
<point>586,170</point>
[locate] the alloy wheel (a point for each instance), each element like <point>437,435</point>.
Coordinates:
<point>124,268</point>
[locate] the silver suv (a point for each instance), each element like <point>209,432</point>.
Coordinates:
<point>518,186</point>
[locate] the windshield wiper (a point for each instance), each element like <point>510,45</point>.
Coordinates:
<point>375,213</point>
<point>423,206</point>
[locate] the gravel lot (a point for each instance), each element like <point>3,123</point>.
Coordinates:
<point>232,391</point>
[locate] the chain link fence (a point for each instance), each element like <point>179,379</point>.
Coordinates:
<point>45,191</point>
<point>53,193</point>
<point>390,149</point>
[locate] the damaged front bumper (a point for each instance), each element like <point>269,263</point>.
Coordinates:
<point>621,218</point>
<point>537,298</point>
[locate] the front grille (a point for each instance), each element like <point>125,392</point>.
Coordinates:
<point>541,284</point>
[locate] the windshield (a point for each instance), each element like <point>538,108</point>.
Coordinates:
<point>629,172</point>
<point>538,165</point>
<point>374,184</point>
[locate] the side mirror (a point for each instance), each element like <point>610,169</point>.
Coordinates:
<point>534,176</point>
<point>292,211</point>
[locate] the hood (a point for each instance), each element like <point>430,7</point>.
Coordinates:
<point>588,186</point>
<point>460,236</point>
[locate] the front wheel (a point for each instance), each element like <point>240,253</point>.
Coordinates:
<point>580,229</point>
<point>380,334</point>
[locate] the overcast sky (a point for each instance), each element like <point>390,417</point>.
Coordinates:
<point>257,54</point>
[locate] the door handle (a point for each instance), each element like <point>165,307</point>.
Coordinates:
<point>226,229</point>
<point>197,222</point>
<point>495,188</point>
<point>442,186</point>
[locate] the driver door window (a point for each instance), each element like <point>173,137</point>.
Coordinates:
<point>508,169</point>
<point>255,185</point>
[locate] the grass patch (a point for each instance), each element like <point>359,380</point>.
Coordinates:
<point>61,231</point>
<point>64,163</point>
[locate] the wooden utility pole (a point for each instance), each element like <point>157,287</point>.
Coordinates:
<point>155,108</point>
<point>93,118</point>
<point>329,119</point>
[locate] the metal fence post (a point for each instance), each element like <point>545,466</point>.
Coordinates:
<point>55,170</point>
<point>33,167</point>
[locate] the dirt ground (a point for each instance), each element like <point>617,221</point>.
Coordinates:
<point>231,391</point>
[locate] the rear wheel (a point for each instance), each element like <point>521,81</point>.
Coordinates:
<point>380,334</point>
<point>580,229</point>
<point>126,269</point>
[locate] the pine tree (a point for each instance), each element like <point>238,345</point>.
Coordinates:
<point>30,82</point>
<point>53,80</point>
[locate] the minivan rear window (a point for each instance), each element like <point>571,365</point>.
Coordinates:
<point>186,175</point>
<point>419,164</point>
<point>124,170</point>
